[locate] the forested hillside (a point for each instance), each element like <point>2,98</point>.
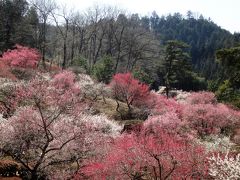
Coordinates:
<point>103,41</point>
<point>203,36</point>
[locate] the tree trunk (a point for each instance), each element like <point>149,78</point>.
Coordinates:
<point>64,55</point>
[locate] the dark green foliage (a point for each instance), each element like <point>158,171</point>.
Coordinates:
<point>203,36</point>
<point>81,62</point>
<point>142,75</point>
<point>175,62</point>
<point>177,69</point>
<point>103,69</point>
<point>229,88</point>
<point>228,94</point>
<point>176,65</point>
<point>229,59</point>
<point>18,25</point>
<point>28,31</point>
<point>134,43</point>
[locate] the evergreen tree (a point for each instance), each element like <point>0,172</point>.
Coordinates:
<point>103,70</point>
<point>175,62</point>
<point>177,69</point>
<point>229,90</point>
<point>17,24</point>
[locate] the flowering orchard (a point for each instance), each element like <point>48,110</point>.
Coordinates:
<point>48,124</point>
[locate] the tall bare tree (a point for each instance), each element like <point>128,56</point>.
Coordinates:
<point>63,28</point>
<point>45,8</point>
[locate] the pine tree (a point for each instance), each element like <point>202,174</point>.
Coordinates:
<point>176,62</point>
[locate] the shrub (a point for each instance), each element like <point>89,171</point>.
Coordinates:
<point>64,80</point>
<point>92,90</point>
<point>202,98</point>
<point>159,104</point>
<point>21,57</point>
<point>103,70</point>
<point>207,119</point>
<point>216,143</point>
<point>80,65</point>
<point>148,156</point>
<point>51,129</point>
<point>169,122</point>
<point>5,71</point>
<point>44,128</point>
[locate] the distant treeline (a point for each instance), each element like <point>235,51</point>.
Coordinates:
<point>130,42</point>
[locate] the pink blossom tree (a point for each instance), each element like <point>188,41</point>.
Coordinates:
<point>207,119</point>
<point>148,155</point>
<point>45,126</point>
<point>169,122</point>
<point>21,56</point>
<point>159,104</point>
<point>202,98</point>
<point>5,71</point>
<point>51,129</point>
<point>44,130</point>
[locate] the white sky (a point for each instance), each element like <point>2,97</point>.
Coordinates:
<point>225,13</point>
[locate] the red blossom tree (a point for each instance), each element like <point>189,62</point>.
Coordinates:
<point>129,90</point>
<point>148,155</point>
<point>21,57</point>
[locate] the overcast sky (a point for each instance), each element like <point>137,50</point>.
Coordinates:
<point>225,13</point>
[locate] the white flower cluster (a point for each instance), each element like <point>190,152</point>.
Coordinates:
<point>226,168</point>
<point>103,123</point>
<point>215,143</point>
<point>91,89</point>
<point>1,118</point>
<point>5,83</point>
<point>84,80</point>
<point>182,96</point>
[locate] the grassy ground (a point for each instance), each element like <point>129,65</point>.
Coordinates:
<point>109,106</point>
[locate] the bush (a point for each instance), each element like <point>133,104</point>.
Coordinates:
<point>103,70</point>
<point>202,98</point>
<point>5,71</point>
<point>21,57</point>
<point>79,65</point>
<point>52,128</point>
<point>207,119</point>
<point>147,155</point>
<point>144,77</point>
<point>159,104</point>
